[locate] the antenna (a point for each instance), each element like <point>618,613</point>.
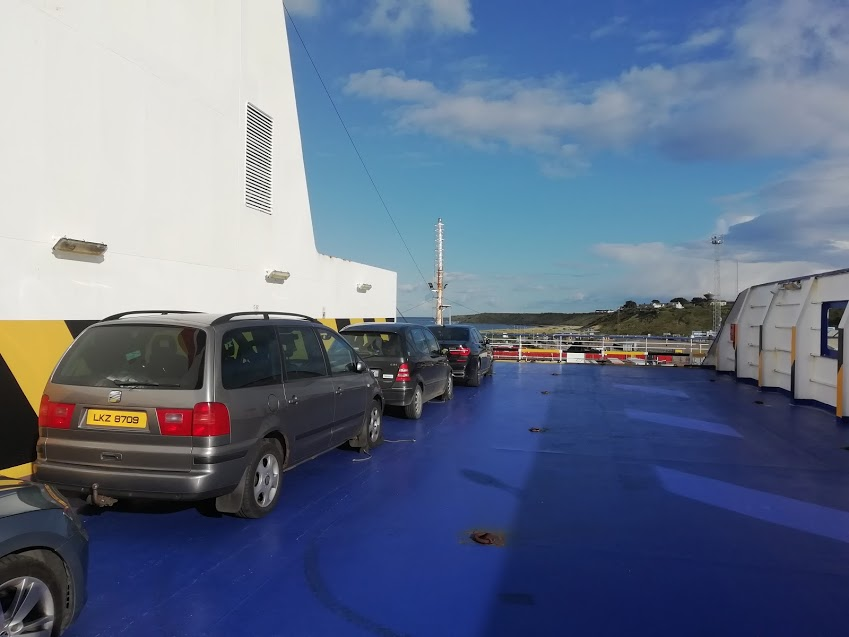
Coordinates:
<point>716,240</point>
<point>440,285</point>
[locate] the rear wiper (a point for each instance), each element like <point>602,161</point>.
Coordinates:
<point>137,383</point>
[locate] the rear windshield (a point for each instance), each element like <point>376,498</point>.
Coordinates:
<point>450,333</point>
<point>374,344</point>
<point>154,356</point>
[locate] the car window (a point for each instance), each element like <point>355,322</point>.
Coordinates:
<point>370,344</point>
<point>342,358</point>
<point>421,343</point>
<point>432,343</point>
<point>149,356</point>
<point>449,333</point>
<point>250,357</point>
<point>303,354</point>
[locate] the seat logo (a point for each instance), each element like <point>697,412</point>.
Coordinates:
<point>114,397</point>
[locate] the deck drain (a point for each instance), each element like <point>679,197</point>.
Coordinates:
<point>759,402</point>
<point>537,430</point>
<point>544,392</point>
<point>488,538</point>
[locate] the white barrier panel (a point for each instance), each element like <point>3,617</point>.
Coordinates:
<point>789,335</point>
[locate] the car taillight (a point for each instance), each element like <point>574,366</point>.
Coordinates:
<point>210,419</point>
<point>461,351</point>
<point>54,415</point>
<point>403,373</point>
<point>175,422</point>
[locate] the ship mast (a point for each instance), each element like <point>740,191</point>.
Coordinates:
<point>440,281</point>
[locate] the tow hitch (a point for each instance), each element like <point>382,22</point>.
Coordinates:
<point>100,500</point>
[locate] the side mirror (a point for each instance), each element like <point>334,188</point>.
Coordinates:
<point>361,367</point>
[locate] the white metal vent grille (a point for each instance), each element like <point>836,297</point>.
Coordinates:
<point>258,146</point>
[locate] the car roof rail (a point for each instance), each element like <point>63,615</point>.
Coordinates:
<point>114,317</point>
<point>265,315</point>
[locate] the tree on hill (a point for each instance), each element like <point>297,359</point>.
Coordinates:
<point>629,304</point>
<point>698,300</point>
<point>679,299</point>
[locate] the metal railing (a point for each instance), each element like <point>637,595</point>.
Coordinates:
<point>558,347</point>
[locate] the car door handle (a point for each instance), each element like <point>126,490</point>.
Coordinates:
<point>293,400</point>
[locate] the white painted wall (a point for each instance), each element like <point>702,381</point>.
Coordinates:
<point>724,349</point>
<point>783,309</point>
<point>124,123</point>
<point>758,302</point>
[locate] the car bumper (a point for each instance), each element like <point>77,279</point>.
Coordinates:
<point>458,368</point>
<point>399,396</point>
<point>209,482</point>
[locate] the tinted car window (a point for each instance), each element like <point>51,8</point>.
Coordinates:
<point>432,344</point>
<point>370,344</point>
<point>303,354</point>
<point>250,357</point>
<point>150,356</point>
<point>342,358</point>
<point>421,342</point>
<point>448,333</point>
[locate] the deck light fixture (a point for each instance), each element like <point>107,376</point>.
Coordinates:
<point>792,285</point>
<point>78,246</point>
<point>276,276</point>
<point>363,287</point>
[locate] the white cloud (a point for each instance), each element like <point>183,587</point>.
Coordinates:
<point>796,225</point>
<point>612,27</point>
<point>703,39</point>
<point>304,8</point>
<point>660,270</point>
<point>397,17</point>
<point>779,88</point>
<point>776,87</point>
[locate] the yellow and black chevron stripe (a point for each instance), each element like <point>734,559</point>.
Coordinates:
<point>29,351</point>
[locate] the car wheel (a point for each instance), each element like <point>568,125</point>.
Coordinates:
<point>31,597</point>
<point>371,433</point>
<point>491,365</point>
<point>448,394</point>
<point>261,490</point>
<point>474,378</point>
<point>414,409</point>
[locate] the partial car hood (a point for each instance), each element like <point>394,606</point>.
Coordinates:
<point>19,496</point>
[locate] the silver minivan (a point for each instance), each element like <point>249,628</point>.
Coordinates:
<point>191,406</point>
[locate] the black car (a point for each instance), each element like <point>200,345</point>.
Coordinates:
<point>469,352</point>
<point>406,360</point>
<point>43,560</point>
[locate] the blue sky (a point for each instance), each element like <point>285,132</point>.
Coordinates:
<point>579,154</point>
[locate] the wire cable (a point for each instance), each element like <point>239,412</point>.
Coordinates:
<point>351,139</point>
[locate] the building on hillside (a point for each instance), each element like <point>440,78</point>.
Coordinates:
<point>151,158</point>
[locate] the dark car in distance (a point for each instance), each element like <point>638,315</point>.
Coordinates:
<point>469,352</point>
<point>43,560</point>
<point>406,360</point>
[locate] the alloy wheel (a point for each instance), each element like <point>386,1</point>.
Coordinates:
<point>26,608</point>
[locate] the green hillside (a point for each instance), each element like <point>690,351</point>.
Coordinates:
<point>639,320</point>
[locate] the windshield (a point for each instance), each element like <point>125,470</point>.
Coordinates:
<point>374,344</point>
<point>446,333</point>
<point>149,356</point>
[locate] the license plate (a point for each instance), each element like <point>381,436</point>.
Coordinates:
<point>375,373</point>
<point>111,418</point>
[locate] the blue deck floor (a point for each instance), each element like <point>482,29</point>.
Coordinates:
<point>659,501</point>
